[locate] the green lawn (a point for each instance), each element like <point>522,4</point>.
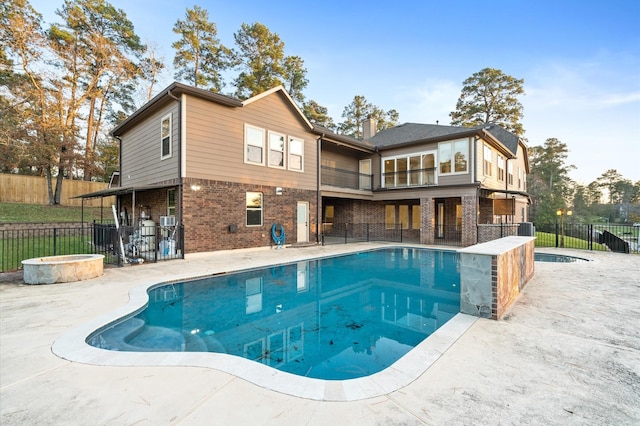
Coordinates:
<point>546,239</point>
<point>36,213</point>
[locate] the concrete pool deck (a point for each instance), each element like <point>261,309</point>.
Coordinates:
<point>567,352</point>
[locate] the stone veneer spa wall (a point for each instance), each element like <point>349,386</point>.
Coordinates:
<point>493,274</point>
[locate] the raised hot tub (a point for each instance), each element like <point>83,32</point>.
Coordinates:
<point>62,269</point>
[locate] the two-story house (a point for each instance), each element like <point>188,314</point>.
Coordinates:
<point>228,170</point>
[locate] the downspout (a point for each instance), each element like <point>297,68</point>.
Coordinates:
<point>179,197</point>
<point>318,194</point>
<point>377,151</point>
<point>118,203</point>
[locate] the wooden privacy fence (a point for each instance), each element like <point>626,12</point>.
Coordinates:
<point>33,190</point>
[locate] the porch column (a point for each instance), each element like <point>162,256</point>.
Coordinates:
<point>469,220</point>
<point>427,220</point>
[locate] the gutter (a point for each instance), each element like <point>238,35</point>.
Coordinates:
<point>180,142</point>
<point>318,193</point>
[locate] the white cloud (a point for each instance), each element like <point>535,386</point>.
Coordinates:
<point>428,102</point>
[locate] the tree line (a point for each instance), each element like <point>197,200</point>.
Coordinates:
<point>62,88</point>
<point>66,85</point>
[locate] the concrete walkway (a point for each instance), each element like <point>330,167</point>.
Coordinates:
<point>568,352</point>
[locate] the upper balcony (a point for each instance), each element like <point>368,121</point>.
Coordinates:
<point>353,180</point>
<point>346,179</point>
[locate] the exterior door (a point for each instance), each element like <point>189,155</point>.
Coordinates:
<point>303,222</point>
<point>365,174</point>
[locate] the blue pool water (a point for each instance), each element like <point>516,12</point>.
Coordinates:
<point>331,318</point>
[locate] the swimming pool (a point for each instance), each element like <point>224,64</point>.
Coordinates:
<point>557,258</point>
<point>331,318</point>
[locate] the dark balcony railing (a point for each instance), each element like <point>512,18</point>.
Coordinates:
<point>346,179</point>
<point>404,179</point>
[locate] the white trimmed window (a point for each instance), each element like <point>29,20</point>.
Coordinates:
<point>519,178</point>
<point>488,169</point>
<point>510,172</point>
<point>500,168</point>
<point>171,202</point>
<point>276,150</point>
<point>253,145</point>
<point>254,208</point>
<point>452,156</point>
<point>165,137</point>
<point>296,154</point>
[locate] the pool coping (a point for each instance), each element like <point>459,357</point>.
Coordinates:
<point>72,346</point>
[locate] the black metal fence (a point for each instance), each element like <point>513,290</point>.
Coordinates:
<point>617,238</point>
<point>127,245</point>
<point>343,233</point>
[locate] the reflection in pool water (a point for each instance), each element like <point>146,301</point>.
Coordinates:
<point>332,318</point>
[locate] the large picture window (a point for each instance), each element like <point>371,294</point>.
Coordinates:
<point>165,137</point>
<point>296,154</point>
<point>452,156</point>
<point>254,208</point>
<point>253,144</point>
<point>409,170</point>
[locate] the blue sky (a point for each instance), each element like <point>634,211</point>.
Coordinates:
<point>580,60</point>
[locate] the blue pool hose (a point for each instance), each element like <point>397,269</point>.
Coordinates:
<point>275,230</point>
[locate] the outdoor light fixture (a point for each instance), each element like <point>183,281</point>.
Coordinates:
<point>561,213</point>
<point>195,187</point>
<point>278,191</point>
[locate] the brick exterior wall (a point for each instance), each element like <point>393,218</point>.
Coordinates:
<point>211,212</point>
<point>469,221</point>
<point>428,220</point>
<point>486,210</point>
<point>214,216</point>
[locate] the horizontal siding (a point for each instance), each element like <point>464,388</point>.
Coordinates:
<point>141,150</point>
<point>492,181</point>
<point>215,142</point>
<point>340,160</point>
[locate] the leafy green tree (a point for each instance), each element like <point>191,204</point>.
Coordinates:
<point>318,114</point>
<point>359,110</point>
<point>585,201</point>
<point>294,74</point>
<point>35,98</point>
<point>617,188</point>
<point>384,119</point>
<point>261,57</point>
<point>97,51</point>
<point>548,182</point>
<point>490,96</point>
<point>151,68</point>
<point>107,157</point>
<point>200,57</point>
<point>12,133</point>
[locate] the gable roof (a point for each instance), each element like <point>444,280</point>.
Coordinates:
<point>175,89</point>
<point>286,94</point>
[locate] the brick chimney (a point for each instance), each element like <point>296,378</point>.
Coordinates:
<point>369,127</point>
